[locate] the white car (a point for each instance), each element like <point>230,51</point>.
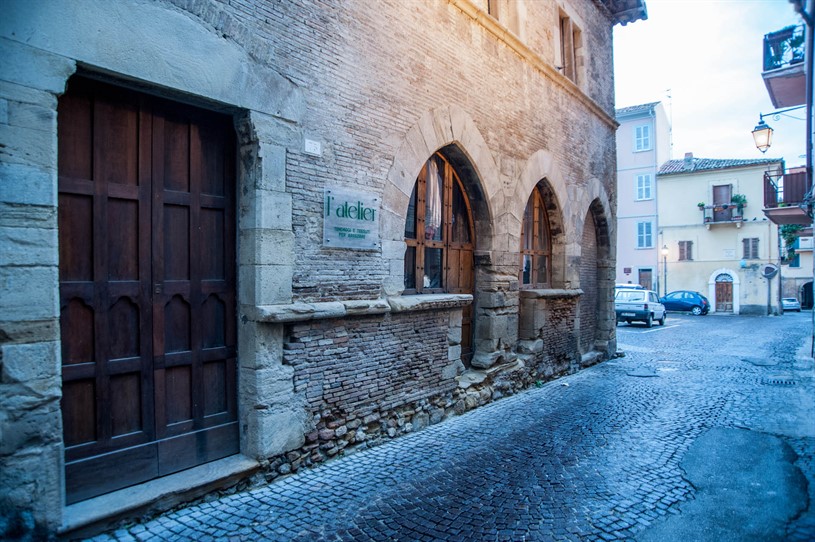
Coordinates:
<point>790,304</point>
<point>639,306</point>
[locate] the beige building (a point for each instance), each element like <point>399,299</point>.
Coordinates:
<point>716,238</point>
<point>643,144</point>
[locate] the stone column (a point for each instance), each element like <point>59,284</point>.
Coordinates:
<point>272,417</point>
<point>30,365</point>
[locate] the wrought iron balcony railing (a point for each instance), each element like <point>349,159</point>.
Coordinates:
<point>784,47</point>
<point>787,198</point>
<point>723,213</point>
<point>785,189</point>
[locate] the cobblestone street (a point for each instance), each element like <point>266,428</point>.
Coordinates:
<point>605,454</point>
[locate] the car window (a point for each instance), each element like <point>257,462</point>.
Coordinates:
<point>674,295</point>
<point>654,298</point>
<point>630,295</point>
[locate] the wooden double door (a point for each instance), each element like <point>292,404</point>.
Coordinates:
<point>147,287</point>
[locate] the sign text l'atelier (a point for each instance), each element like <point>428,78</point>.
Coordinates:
<point>350,219</point>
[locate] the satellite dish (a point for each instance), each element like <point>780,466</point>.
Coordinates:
<point>769,271</point>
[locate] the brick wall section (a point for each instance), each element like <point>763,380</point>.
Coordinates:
<point>559,337</point>
<point>357,366</point>
<point>588,283</point>
<point>367,379</point>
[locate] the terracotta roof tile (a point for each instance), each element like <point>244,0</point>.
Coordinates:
<point>635,109</point>
<point>674,167</point>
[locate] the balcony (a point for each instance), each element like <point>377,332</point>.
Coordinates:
<point>786,197</point>
<point>784,66</point>
<point>723,213</point>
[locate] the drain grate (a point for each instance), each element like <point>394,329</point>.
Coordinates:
<point>779,381</point>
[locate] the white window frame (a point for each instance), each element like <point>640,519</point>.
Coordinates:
<point>645,234</point>
<point>642,138</point>
<point>645,192</point>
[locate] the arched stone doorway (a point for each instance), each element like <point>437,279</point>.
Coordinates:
<point>806,296</point>
<point>440,240</point>
<point>724,293</point>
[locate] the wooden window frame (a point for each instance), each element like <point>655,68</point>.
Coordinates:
<point>571,41</point>
<point>750,248</point>
<point>537,247</point>
<point>493,9</point>
<point>685,251</point>
<point>419,243</point>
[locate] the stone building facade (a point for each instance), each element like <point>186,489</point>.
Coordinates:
<point>181,285</point>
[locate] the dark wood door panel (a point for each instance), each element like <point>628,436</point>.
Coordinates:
<point>147,285</point>
<point>86,478</point>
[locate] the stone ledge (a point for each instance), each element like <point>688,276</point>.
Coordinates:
<point>105,511</point>
<point>428,302</point>
<point>301,312</point>
<point>550,293</point>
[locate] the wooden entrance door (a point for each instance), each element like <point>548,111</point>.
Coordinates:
<point>721,197</point>
<point>724,294</point>
<point>646,278</point>
<point>147,287</point>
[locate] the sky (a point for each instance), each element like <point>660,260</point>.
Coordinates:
<point>709,54</point>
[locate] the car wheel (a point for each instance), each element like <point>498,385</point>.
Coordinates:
<point>696,311</point>
<point>649,321</point>
<point>662,320</point>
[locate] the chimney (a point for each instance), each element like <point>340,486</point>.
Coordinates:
<point>688,161</point>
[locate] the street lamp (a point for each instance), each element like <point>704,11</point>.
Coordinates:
<point>763,132</point>
<point>763,135</point>
<point>664,269</point>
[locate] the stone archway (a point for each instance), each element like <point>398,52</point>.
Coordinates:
<point>806,296</point>
<point>451,131</point>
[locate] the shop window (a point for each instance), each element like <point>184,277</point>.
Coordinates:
<point>438,232</point>
<point>536,244</point>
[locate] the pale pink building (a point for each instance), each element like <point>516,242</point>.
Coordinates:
<point>643,143</point>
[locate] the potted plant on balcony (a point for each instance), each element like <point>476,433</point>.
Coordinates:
<point>739,200</point>
<point>701,205</point>
<point>796,45</point>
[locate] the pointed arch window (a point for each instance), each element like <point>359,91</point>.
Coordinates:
<point>438,232</point>
<point>536,244</point>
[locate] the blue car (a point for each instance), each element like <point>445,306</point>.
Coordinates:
<point>686,301</point>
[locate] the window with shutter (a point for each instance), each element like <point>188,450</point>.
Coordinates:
<point>685,250</point>
<point>750,248</point>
